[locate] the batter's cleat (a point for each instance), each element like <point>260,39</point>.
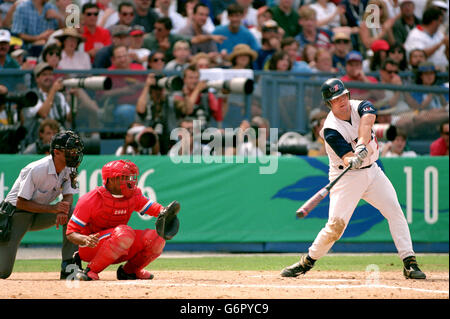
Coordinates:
<point>87,275</point>
<point>301,267</point>
<point>142,274</point>
<point>70,266</point>
<point>411,269</point>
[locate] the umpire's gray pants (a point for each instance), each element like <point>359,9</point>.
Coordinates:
<point>22,222</point>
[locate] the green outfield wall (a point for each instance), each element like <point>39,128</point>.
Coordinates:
<point>233,202</point>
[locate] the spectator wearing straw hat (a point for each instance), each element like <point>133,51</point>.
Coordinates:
<point>242,57</point>
<point>71,57</point>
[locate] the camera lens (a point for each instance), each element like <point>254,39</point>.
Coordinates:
<point>147,140</point>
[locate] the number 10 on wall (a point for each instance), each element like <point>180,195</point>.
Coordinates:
<point>431,202</point>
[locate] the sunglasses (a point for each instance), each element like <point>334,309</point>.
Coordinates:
<point>54,53</point>
<point>127,14</point>
<point>391,71</point>
<point>158,60</point>
<point>92,14</point>
<point>342,41</point>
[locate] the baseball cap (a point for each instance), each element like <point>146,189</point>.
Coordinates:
<point>353,56</point>
<point>426,67</point>
<point>137,30</point>
<point>440,4</point>
<point>270,25</point>
<point>379,45</point>
<point>118,30</point>
<point>40,67</point>
<point>341,36</point>
<point>5,36</point>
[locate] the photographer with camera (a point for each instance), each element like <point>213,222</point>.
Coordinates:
<point>192,100</point>
<point>51,102</point>
<point>12,129</point>
<point>139,140</point>
<point>153,109</point>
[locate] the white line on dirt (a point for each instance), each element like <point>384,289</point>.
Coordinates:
<point>375,286</point>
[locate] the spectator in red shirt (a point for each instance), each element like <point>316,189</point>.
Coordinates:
<point>354,72</point>
<point>125,89</point>
<point>440,146</point>
<point>96,37</point>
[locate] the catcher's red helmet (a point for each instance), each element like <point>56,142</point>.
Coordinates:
<point>127,170</point>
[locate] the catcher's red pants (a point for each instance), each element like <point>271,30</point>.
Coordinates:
<point>122,243</point>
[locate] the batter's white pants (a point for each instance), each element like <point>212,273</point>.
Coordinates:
<point>372,185</point>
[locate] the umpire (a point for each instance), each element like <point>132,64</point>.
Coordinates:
<point>27,207</point>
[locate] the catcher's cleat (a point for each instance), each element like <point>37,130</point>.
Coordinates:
<point>69,266</point>
<point>411,269</point>
<point>142,274</point>
<point>298,268</point>
<point>87,275</point>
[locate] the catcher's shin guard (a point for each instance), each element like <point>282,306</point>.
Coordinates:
<point>301,267</point>
<point>153,246</point>
<point>117,245</point>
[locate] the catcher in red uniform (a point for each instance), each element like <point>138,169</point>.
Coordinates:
<point>99,225</point>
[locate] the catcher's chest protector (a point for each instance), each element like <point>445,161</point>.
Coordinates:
<point>114,211</point>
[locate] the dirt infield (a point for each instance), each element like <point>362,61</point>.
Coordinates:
<point>230,285</point>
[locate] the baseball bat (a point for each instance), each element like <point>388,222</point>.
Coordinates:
<point>311,203</point>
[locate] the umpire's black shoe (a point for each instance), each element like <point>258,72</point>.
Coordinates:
<point>301,267</point>
<point>69,266</point>
<point>411,269</point>
<point>122,275</point>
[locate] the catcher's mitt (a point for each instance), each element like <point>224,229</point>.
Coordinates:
<point>167,223</point>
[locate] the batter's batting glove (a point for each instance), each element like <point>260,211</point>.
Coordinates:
<point>361,151</point>
<point>355,162</point>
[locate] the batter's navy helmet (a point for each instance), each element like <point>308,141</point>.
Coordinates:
<point>331,89</point>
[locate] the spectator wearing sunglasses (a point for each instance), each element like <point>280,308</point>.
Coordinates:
<point>342,46</point>
<point>161,39</point>
<point>398,53</point>
<point>96,37</point>
<point>156,61</point>
<point>392,99</point>
<point>126,14</point>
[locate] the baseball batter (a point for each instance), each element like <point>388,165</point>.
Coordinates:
<point>349,140</point>
<point>99,226</point>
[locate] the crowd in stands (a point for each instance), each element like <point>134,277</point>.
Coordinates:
<point>352,39</point>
